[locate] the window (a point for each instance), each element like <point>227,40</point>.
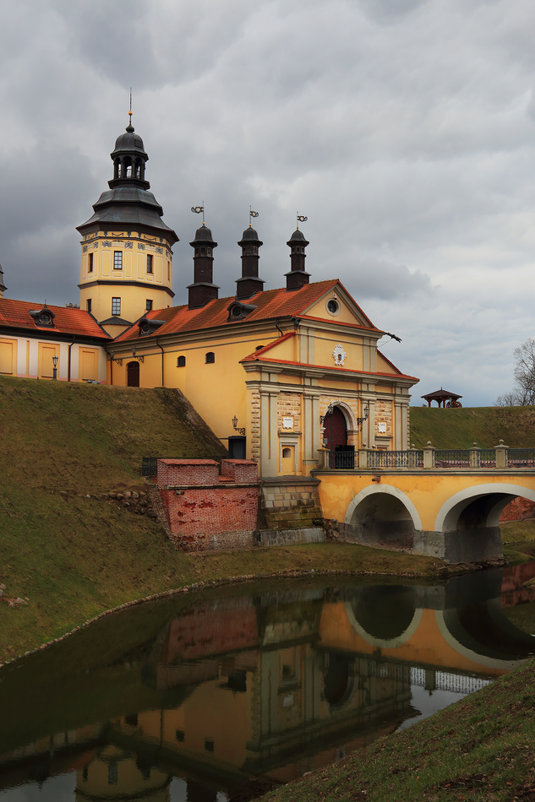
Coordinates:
<point>117,260</point>
<point>89,304</point>
<point>149,263</point>
<point>179,735</point>
<point>209,358</point>
<point>168,271</point>
<point>333,306</point>
<point>112,773</point>
<point>116,306</point>
<point>90,264</point>
<point>209,745</point>
<point>181,362</point>
<point>148,304</point>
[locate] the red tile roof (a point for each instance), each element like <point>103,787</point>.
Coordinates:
<point>67,320</point>
<point>269,304</point>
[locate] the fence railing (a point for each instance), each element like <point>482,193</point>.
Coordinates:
<point>498,458</point>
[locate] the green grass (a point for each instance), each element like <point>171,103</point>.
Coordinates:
<point>460,428</point>
<point>482,748</point>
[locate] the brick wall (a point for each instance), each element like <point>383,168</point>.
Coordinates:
<point>289,406</point>
<point>383,414</point>
<point>518,510</point>
<point>205,510</point>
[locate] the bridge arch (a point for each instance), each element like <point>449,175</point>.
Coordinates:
<point>384,516</point>
<point>478,506</point>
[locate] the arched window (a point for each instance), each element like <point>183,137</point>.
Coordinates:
<point>181,362</point>
<point>209,358</point>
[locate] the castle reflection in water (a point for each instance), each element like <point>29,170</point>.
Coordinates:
<point>236,692</point>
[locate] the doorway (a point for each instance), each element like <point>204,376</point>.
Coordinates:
<point>237,447</point>
<point>132,374</point>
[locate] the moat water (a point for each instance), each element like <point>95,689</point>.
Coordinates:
<point>221,695</point>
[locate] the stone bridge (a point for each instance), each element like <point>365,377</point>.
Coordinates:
<point>441,504</point>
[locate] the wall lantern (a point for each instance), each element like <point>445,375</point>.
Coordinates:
<point>366,415</point>
<point>235,426</point>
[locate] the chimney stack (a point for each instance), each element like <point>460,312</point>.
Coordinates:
<point>203,289</point>
<point>297,277</point>
<point>249,283</point>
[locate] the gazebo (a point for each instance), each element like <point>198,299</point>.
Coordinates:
<point>444,398</point>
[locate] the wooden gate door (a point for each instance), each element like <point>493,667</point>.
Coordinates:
<point>132,374</point>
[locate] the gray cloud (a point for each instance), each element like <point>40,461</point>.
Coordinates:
<point>404,130</point>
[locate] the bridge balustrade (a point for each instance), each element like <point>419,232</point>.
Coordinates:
<point>431,458</point>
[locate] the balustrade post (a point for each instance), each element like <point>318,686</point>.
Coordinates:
<point>324,458</point>
<point>413,457</point>
<point>475,456</point>
<point>363,458</point>
<point>501,454</point>
<point>429,455</point>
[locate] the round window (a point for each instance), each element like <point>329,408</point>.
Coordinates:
<point>333,306</point>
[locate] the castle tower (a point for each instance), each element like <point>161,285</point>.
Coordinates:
<point>126,266</point>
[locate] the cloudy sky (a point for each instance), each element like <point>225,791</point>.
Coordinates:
<point>403,129</point>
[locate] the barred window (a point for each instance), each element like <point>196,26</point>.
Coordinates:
<point>116,306</point>
<point>117,260</point>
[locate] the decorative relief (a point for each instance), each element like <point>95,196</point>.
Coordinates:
<point>128,245</point>
<point>141,246</point>
<point>106,244</point>
<point>287,423</point>
<point>339,355</point>
<point>159,250</point>
<point>84,249</point>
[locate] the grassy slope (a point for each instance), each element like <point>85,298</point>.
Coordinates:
<point>459,428</point>
<point>76,555</point>
<point>483,747</point>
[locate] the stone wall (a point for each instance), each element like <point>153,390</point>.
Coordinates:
<point>290,502</point>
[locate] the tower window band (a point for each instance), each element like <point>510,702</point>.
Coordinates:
<point>117,260</point>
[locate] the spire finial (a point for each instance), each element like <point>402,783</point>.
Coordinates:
<point>130,127</point>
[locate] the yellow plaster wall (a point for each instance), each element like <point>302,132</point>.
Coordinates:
<point>8,356</point>
<point>346,312</point>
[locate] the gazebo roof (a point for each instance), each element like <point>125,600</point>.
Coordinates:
<point>440,395</point>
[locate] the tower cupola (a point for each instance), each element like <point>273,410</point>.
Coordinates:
<point>129,159</point>
<point>297,277</point>
<point>203,289</point>
<point>249,283</point>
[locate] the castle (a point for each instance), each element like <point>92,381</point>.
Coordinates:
<point>278,374</point>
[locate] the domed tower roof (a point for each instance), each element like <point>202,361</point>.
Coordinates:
<point>250,235</point>
<point>129,142</point>
<point>297,238</point>
<point>203,236</point>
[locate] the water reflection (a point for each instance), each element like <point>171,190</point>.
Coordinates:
<point>220,696</point>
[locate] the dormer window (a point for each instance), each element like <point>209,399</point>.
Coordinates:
<point>147,327</point>
<point>43,317</point>
<point>238,310</point>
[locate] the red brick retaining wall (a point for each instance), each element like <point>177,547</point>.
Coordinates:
<point>206,510</point>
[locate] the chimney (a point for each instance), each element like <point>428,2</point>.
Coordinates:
<point>203,289</point>
<point>249,283</point>
<point>297,277</point>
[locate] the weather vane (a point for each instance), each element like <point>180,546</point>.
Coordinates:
<point>199,210</point>
<point>252,214</point>
<point>130,108</point>
<point>301,219</point>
